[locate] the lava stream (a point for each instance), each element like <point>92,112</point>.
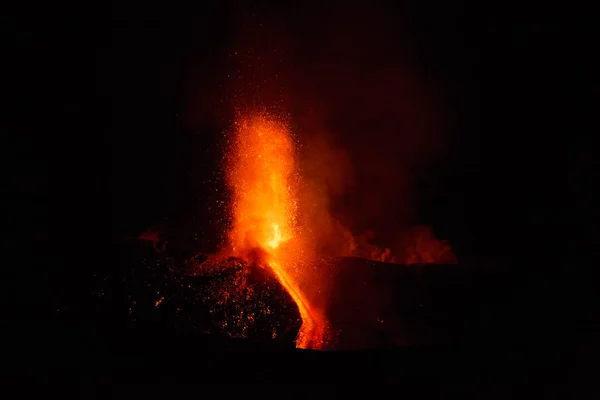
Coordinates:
<point>312,332</point>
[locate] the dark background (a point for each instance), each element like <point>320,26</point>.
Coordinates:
<point>98,145</point>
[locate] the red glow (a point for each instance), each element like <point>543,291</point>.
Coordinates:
<point>262,174</point>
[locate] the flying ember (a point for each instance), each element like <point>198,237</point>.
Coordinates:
<point>262,175</point>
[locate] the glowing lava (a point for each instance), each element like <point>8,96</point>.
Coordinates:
<point>262,175</point>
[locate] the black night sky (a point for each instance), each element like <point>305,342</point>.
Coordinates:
<point>114,112</point>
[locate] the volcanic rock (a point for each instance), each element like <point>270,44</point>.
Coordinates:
<point>220,297</point>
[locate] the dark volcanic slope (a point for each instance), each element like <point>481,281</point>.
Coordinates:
<point>153,292</point>
<point>369,304</point>
<point>375,304</point>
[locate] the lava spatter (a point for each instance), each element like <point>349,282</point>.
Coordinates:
<point>262,174</point>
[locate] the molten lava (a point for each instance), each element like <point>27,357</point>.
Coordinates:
<point>263,178</point>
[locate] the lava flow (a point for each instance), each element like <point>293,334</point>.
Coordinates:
<point>263,178</point>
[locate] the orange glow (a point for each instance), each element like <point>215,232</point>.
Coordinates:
<point>262,175</point>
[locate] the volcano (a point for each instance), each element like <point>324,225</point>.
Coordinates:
<point>273,280</point>
<point>369,305</point>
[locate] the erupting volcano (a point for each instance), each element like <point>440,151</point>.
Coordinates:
<point>262,174</point>
<point>289,272</point>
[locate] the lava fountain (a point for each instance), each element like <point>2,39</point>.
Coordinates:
<point>262,174</point>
